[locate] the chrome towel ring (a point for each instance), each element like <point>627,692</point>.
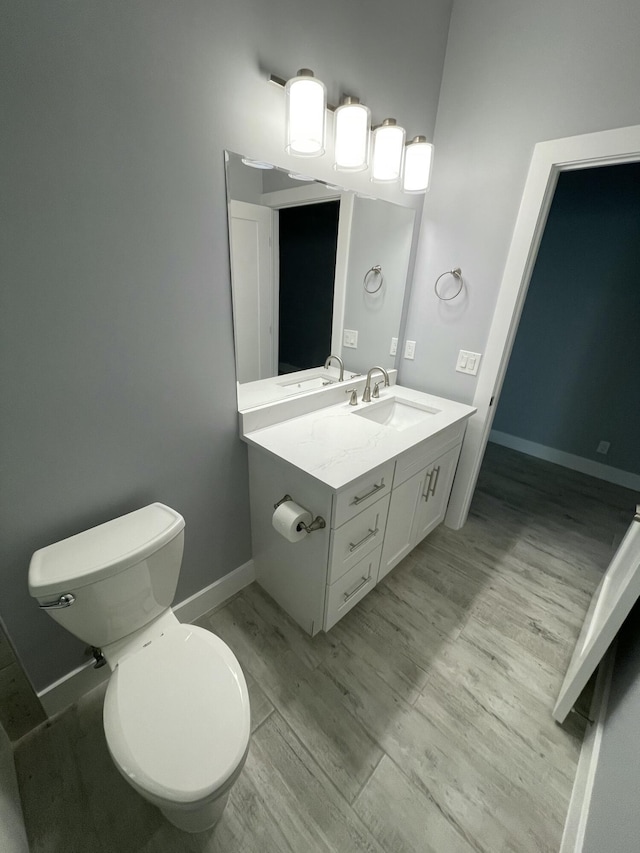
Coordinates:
<point>372,278</point>
<point>457,274</point>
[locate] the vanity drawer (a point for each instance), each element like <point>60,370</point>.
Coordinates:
<point>362,493</point>
<point>362,534</point>
<point>351,588</point>
<point>423,454</point>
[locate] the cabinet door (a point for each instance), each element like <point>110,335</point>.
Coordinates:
<point>434,496</point>
<point>398,534</point>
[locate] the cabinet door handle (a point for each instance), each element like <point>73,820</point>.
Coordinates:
<point>428,491</point>
<point>370,535</point>
<point>376,488</point>
<point>432,488</point>
<point>364,581</point>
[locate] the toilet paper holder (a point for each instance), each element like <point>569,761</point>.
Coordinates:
<point>318,522</point>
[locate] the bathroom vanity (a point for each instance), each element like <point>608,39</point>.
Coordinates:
<point>378,474</point>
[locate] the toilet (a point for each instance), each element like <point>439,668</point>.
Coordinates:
<point>176,710</point>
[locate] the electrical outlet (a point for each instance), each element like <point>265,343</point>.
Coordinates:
<point>410,349</point>
<point>468,362</point>
<point>603,447</point>
<point>350,338</point>
<point>394,346</point>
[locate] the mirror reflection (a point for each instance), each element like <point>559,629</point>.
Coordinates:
<point>315,271</point>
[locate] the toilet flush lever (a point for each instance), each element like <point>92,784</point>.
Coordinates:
<point>65,600</point>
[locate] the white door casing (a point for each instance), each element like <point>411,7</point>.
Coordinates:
<point>604,148</point>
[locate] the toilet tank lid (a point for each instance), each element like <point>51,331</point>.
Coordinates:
<point>102,551</point>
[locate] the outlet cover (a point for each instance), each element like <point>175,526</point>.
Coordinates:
<point>350,338</point>
<point>410,349</point>
<point>468,362</point>
<point>394,346</point>
<point>603,447</point>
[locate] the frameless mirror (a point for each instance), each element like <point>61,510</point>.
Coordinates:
<point>315,271</point>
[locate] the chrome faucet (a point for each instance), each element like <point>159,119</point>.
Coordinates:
<point>366,394</point>
<point>340,362</point>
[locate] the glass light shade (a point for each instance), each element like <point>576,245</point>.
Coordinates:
<point>352,121</point>
<point>388,146</point>
<point>306,106</point>
<point>418,158</point>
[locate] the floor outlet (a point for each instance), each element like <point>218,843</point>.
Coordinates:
<point>603,447</point>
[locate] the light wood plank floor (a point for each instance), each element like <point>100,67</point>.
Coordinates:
<point>420,723</point>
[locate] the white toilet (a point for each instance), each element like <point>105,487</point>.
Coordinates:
<point>176,710</point>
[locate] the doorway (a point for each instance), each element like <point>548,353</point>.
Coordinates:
<point>609,147</point>
<point>308,242</point>
<point>571,393</point>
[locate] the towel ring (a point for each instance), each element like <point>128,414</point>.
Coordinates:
<point>456,273</point>
<point>370,279</point>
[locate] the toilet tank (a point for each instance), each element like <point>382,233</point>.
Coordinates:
<point>121,574</point>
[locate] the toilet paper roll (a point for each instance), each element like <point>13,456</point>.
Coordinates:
<point>287,519</point>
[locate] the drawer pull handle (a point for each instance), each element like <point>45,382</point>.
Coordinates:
<point>364,581</point>
<point>370,535</point>
<point>376,488</point>
<point>432,488</point>
<point>427,491</point>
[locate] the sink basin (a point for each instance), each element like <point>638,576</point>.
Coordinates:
<point>396,413</point>
<point>308,384</point>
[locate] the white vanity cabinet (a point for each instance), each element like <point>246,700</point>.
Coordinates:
<point>417,506</point>
<point>371,524</point>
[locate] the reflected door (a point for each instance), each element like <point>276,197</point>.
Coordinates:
<point>253,291</point>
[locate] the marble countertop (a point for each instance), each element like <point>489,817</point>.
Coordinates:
<point>336,446</point>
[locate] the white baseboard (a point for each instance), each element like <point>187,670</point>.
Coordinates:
<point>215,594</point>
<point>568,460</point>
<point>68,689</point>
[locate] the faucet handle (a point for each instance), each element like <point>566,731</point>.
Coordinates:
<point>376,390</point>
<point>353,400</point>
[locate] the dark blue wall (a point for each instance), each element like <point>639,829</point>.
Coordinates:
<point>574,374</point>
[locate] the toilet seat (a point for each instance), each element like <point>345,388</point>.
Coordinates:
<point>176,715</point>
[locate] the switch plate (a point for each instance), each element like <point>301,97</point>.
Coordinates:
<point>468,362</point>
<point>350,338</point>
<point>603,447</point>
<point>410,349</point>
<point>394,346</point>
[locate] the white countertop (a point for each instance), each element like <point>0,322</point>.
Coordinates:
<point>336,446</point>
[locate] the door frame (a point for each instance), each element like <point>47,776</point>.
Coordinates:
<point>603,148</point>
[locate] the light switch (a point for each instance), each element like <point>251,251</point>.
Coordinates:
<point>468,362</point>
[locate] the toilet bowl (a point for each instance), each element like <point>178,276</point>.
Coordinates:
<point>176,711</point>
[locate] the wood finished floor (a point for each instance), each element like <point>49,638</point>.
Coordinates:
<point>420,723</point>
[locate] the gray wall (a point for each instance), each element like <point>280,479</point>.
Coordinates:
<point>381,234</point>
<point>516,72</point>
<point>118,383</point>
<point>572,377</point>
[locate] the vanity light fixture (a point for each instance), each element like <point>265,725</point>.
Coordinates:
<point>306,107</point>
<point>352,121</point>
<point>418,158</point>
<point>388,146</point>
<point>296,176</point>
